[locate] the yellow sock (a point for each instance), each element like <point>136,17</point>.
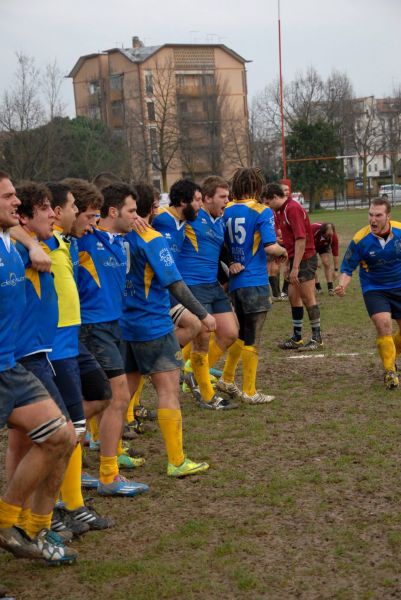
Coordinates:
<point>135,400</point>
<point>9,514</point>
<point>186,351</point>
<point>24,517</point>
<point>397,343</point>
<point>387,350</point>
<point>71,492</point>
<point>170,423</point>
<point>108,468</point>
<point>215,352</point>
<point>94,429</point>
<point>36,523</point>
<point>200,367</point>
<point>249,367</point>
<point>233,356</point>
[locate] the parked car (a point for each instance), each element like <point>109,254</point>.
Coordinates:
<point>298,196</point>
<point>393,192</point>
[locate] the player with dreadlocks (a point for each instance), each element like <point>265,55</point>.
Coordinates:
<point>250,236</point>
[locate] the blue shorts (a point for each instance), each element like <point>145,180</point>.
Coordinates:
<point>212,297</point>
<point>94,382</point>
<point>253,299</point>
<point>104,341</point>
<point>18,387</point>
<point>40,366</point>
<point>156,356</point>
<point>68,381</point>
<point>388,301</point>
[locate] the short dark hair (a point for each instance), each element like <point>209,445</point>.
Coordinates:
<point>104,179</point>
<point>381,202</point>
<point>86,194</point>
<point>114,195</point>
<point>183,190</point>
<point>324,227</point>
<point>271,190</point>
<point>32,195</point>
<point>59,192</point>
<point>145,198</point>
<point>247,182</point>
<point>4,175</point>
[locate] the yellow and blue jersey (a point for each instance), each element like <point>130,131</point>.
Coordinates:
<point>199,257</point>
<point>101,276</point>
<point>379,260</point>
<point>12,300</point>
<point>151,268</point>
<point>40,316</point>
<point>172,229</point>
<point>249,228</point>
<point>65,343</point>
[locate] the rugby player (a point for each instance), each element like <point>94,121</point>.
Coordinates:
<point>299,243</point>
<point>326,243</point>
<point>376,248</point>
<point>250,236</point>
<point>151,347</point>
<point>26,405</point>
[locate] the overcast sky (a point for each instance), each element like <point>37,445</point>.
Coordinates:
<point>360,37</point>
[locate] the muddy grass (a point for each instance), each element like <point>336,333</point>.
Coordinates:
<point>302,499</point>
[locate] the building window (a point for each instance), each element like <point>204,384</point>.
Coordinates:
<point>369,168</point>
<point>360,163</point>
<point>116,82</point>
<point>375,167</point>
<point>148,82</point>
<point>151,111</point>
<point>153,138</point>
<point>180,80</point>
<point>94,87</point>
<point>94,112</point>
<point>384,162</point>
<point>157,184</point>
<point>117,109</point>
<point>351,163</point>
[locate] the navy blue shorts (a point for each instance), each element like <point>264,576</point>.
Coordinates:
<point>68,381</point>
<point>18,387</point>
<point>104,340</point>
<point>156,356</point>
<point>40,366</point>
<point>254,299</point>
<point>388,301</point>
<point>94,382</point>
<point>212,297</point>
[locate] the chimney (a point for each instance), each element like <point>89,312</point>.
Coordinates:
<point>136,42</point>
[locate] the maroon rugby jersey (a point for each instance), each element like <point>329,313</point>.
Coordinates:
<point>295,225</point>
<point>321,242</point>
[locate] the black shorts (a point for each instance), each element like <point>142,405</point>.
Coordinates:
<point>40,366</point>
<point>94,382</point>
<point>68,381</point>
<point>388,301</point>
<point>307,268</point>
<point>18,387</point>
<point>104,340</point>
<point>154,356</point>
<point>212,297</point>
<point>254,299</point>
<point>324,249</point>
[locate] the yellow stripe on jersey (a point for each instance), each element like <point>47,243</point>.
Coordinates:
<point>256,242</point>
<point>68,300</point>
<point>86,262</point>
<point>395,224</point>
<point>147,278</point>
<point>149,235</point>
<point>191,235</point>
<point>362,233</point>
<point>33,277</point>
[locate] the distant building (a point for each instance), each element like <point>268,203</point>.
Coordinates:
<point>182,107</point>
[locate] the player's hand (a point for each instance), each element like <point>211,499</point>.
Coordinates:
<point>209,322</point>
<point>340,291</point>
<point>139,225</point>
<point>293,276</point>
<point>39,259</point>
<point>236,268</point>
<point>283,257</point>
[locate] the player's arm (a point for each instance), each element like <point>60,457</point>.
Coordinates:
<point>184,295</point>
<point>276,251</point>
<point>40,261</point>
<point>335,253</point>
<point>343,283</point>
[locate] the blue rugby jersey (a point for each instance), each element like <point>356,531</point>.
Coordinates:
<point>40,316</point>
<point>199,257</point>
<point>12,299</point>
<point>172,229</point>
<point>101,276</point>
<point>379,260</point>
<point>249,226</point>
<point>151,269</point>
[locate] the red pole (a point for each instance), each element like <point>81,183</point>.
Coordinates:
<point>281,97</point>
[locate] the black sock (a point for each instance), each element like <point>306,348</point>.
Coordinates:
<point>297,317</point>
<point>330,285</point>
<point>285,287</point>
<point>318,286</point>
<point>273,280</point>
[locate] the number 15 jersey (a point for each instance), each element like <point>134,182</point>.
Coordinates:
<point>249,228</point>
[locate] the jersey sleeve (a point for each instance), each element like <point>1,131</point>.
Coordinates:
<point>160,259</point>
<point>266,226</point>
<point>351,259</point>
<point>334,244</point>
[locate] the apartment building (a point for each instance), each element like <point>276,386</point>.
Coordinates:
<point>181,107</point>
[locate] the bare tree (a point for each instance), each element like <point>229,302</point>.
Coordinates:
<point>51,85</point>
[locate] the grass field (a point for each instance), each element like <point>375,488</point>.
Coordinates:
<point>302,500</point>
